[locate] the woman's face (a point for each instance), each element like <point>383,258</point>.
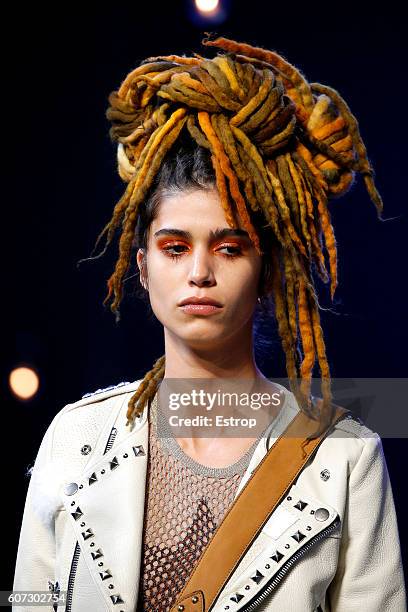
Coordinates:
<point>188,256</point>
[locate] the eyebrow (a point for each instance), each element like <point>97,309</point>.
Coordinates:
<point>217,234</point>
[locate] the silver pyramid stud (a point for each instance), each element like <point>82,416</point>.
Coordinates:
<point>87,534</point>
<point>105,574</point>
<point>277,556</point>
<point>298,536</point>
<point>116,599</point>
<point>237,597</point>
<point>258,577</point>
<point>92,478</point>
<point>97,554</point>
<point>138,450</point>
<point>114,463</point>
<point>77,514</point>
<point>300,505</point>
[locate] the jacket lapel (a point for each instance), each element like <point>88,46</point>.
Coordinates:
<point>106,509</point>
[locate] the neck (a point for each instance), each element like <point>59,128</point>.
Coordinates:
<point>229,358</point>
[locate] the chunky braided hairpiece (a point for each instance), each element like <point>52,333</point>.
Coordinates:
<point>278,145</point>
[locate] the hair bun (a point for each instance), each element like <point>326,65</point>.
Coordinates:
<point>326,127</point>
<point>268,115</point>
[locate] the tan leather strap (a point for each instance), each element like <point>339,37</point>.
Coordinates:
<point>250,510</point>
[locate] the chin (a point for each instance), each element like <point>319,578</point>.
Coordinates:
<point>202,335</point>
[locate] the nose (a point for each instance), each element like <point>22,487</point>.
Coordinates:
<point>201,272</point>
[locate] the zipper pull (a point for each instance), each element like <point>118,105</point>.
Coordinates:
<point>55,588</point>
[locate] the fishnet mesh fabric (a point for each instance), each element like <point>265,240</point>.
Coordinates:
<point>182,510</point>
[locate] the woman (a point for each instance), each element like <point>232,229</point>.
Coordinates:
<point>230,163</point>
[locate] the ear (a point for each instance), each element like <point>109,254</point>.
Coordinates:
<point>141,262</point>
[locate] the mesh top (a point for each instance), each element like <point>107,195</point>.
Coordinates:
<point>185,502</point>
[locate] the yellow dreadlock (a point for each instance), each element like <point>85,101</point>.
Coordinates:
<point>278,144</point>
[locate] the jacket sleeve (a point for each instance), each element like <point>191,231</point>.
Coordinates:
<point>370,571</point>
<point>36,549</point>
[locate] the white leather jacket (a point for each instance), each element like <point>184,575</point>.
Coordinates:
<point>83,520</point>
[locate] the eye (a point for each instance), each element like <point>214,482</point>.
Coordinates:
<point>168,250</point>
<point>236,250</point>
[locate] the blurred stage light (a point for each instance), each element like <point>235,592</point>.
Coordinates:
<point>24,382</point>
<point>206,6</point>
<point>204,13</point>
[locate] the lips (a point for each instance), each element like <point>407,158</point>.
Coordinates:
<point>200,301</point>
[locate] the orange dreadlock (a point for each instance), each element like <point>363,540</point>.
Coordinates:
<point>278,144</point>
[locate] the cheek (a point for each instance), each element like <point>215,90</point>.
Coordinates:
<point>241,285</point>
<point>165,281</point>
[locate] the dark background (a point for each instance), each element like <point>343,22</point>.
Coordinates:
<point>60,184</point>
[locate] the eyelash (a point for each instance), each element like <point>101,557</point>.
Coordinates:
<point>178,255</point>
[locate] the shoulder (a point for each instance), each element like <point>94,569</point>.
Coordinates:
<point>353,442</point>
<point>98,401</point>
<point>85,417</point>
<point>108,393</point>
<point>348,440</point>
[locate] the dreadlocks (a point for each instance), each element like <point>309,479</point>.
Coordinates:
<point>278,145</point>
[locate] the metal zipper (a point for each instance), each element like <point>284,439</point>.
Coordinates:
<point>111,439</point>
<point>77,551</point>
<point>55,588</point>
<point>287,566</point>
<point>71,578</point>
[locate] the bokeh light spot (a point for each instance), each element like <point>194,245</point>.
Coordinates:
<point>24,382</point>
<point>207,6</point>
